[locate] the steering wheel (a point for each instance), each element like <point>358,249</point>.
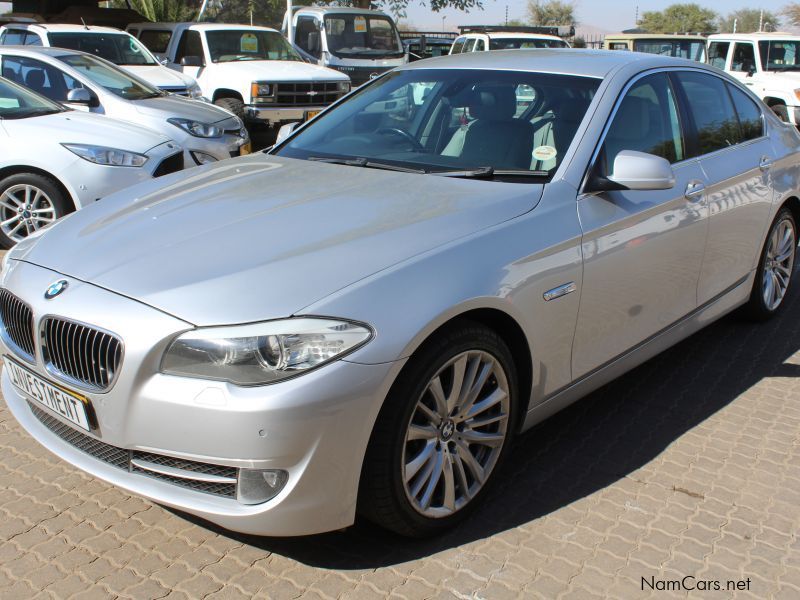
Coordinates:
<point>405,135</point>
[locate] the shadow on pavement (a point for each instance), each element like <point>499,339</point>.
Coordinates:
<point>588,446</point>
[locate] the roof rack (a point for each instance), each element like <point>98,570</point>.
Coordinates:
<point>557,30</point>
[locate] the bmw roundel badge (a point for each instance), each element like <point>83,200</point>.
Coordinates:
<point>55,289</point>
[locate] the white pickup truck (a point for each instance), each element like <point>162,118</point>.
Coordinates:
<point>251,71</point>
<point>768,63</point>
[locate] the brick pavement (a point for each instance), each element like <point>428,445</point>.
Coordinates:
<point>690,465</point>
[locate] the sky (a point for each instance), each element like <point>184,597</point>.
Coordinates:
<point>604,16</point>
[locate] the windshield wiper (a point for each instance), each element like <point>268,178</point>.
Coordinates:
<point>369,164</point>
<point>491,173</point>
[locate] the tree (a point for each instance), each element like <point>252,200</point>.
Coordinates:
<point>792,13</point>
<point>679,18</point>
<point>747,21</point>
<point>263,12</point>
<point>159,10</point>
<point>552,12</point>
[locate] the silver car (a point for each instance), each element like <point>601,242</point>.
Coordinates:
<point>361,320</point>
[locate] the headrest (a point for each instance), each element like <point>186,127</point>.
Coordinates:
<point>493,103</point>
<point>35,78</point>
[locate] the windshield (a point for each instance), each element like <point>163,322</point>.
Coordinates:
<point>119,48</point>
<point>454,120</point>
<point>780,55</point>
<point>691,49</point>
<point>249,44</point>
<point>116,81</point>
<point>16,102</point>
<point>370,36</point>
<point>523,43</point>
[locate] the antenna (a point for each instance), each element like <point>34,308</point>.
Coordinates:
<point>85,26</point>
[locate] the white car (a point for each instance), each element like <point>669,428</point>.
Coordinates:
<point>480,39</point>
<point>767,63</point>
<point>54,160</point>
<point>252,71</point>
<point>114,45</point>
<point>83,81</point>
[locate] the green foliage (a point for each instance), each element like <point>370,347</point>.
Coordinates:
<point>747,20</point>
<point>552,12</point>
<point>264,12</point>
<point>680,18</point>
<point>159,10</point>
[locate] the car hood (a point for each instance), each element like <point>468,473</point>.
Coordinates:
<point>278,70</point>
<point>166,107</point>
<point>262,237</point>
<point>159,75</point>
<point>76,127</point>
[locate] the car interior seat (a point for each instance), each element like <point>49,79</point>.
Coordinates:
<point>35,80</point>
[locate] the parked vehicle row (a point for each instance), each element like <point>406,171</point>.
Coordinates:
<point>450,255</point>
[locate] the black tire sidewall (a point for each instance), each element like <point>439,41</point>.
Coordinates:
<point>233,105</point>
<point>782,112</point>
<point>756,307</point>
<point>47,185</point>
<point>397,411</point>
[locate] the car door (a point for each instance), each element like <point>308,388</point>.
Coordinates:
<point>735,155</point>
<point>642,250</point>
<point>189,44</point>
<point>743,63</point>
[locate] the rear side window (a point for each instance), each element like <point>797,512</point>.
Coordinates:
<point>750,121</point>
<point>155,40</point>
<point>718,54</point>
<point>711,109</point>
<point>458,46</point>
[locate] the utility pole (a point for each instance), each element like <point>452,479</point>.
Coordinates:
<point>636,16</point>
<point>506,14</point>
<point>761,21</point>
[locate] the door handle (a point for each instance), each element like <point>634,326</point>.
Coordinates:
<point>765,163</point>
<point>694,191</point>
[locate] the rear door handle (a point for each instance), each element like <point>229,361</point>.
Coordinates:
<point>765,163</point>
<point>694,191</point>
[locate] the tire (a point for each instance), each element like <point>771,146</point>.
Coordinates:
<point>781,112</point>
<point>423,507</point>
<point>775,269</point>
<point>233,105</point>
<point>23,194</point>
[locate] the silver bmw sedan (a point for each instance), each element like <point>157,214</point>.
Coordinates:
<point>360,320</point>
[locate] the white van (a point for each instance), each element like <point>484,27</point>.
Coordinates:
<point>360,43</point>
<point>114,45</point>
<point>251,71</point>
<point>768,63</point>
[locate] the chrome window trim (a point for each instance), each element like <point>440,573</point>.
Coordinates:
<point>65,378</point>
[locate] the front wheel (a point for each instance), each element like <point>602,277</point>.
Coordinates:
<point>28,202</point>
<point>445,428</point>
<point>233,105</point>
<point>775,268</point>
<point>782,112</point>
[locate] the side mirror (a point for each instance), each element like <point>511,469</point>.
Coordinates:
<point>285,131</point>
<point>79,96</point>
<point>751,70</point>
<point>192,61</point>
<point>641,171</point>
<point>313,42</point>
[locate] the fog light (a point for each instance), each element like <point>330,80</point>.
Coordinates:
<point>201,158</point>
<point>256,485</point>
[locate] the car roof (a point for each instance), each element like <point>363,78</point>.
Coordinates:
<point>761,35</point>
<point>339,10</point>
<point>200,26</point>
<point>66,27</point>
<point>52,51</point>
<point>510,34</point>
<point>654,36</point>
<point>568,61</point>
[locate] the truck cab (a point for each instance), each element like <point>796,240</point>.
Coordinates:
<point>251,71</point>
<point>114,45</point>
<point>360,43</point>
<point>767,63</point>
<point>692,47</point>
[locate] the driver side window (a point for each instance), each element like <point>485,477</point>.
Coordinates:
<point>744,58</point>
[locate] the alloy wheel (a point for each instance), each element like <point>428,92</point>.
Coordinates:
<point>456,434</point>
<point>778,263</point>
<point>24,208</point>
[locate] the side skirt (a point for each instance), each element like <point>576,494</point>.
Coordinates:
<point>714,309</point>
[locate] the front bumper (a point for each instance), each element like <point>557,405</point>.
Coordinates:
<point>227,146</point>
<point>314,427</point>
<point>274,115</point>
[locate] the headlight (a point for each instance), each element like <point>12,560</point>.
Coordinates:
<point>194,91</point>
<point>258,88</point>
<point>262,353</point>
<point>344,86</point>
<point>197,128</point>
<point>201,158</point>
<point>101,155</point>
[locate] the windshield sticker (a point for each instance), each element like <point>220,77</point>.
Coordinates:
<point>360,24</point>
<point>248,43</point>
<point>544,153</point>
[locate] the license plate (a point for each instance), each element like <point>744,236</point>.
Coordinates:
<point>71,406</point>
<point>310,114</point>
<point>245,149</point>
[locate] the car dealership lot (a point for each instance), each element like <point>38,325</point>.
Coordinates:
<point>689,465</point>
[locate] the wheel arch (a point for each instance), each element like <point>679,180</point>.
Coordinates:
<point>793,204</point>
<point>18,169</point>
<point>773,101</point>
<point>226,93</point>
